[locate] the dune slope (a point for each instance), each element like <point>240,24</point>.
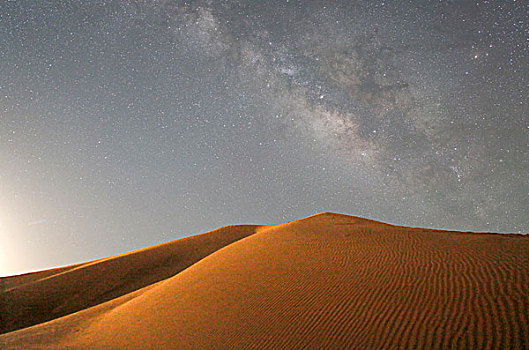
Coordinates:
<point>37,297</point>
<point>327,281</point>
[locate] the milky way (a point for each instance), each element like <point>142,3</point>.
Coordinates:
<point>128,123</point>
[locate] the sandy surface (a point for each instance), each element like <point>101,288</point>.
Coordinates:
<point>34,298</point>
<point>327,281</point>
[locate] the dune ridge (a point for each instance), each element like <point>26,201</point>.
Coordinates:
<point>326,281</point>
<point>37,297</point>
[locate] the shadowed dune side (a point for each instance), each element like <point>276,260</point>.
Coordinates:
<point>9,282</point>
<point>37,297</point>
<point>327,281</point>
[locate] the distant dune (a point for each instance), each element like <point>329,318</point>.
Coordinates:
<point>326,281</point>
<point>38,297</point>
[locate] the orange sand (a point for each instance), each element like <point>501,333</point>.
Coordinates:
<point>327,281</point>
<point>38,297</point>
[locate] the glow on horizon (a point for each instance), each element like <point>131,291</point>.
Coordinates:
<point>8,251</point>
<point>16,256</point>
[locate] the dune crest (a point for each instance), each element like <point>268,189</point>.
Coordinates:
<point>326,281</point>
<point>37,297</point>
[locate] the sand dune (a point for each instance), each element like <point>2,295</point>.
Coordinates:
<point>41,296</point>
<point>326,281</point>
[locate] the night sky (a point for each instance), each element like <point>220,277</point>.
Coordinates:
<point>129,123</point>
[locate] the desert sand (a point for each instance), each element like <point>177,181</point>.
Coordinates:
<point>326,281</point>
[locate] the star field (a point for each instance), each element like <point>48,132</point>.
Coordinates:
<point>128,123</point>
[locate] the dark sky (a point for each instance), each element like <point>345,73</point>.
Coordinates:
<point>129,123</point>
